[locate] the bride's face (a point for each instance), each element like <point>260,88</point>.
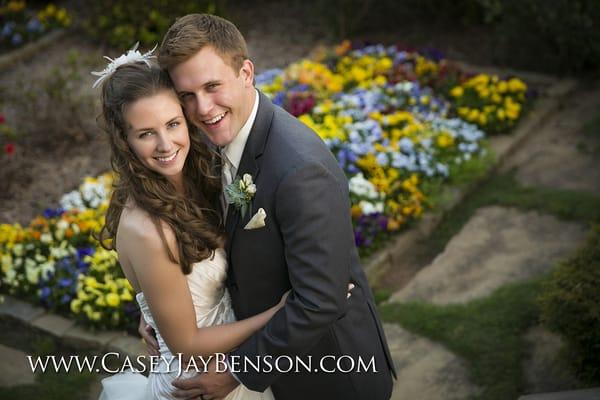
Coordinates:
<point>158,133</point>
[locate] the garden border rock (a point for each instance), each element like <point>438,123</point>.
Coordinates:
<point>22,54</point>
<point>552,92</point>
<point>66,331</point>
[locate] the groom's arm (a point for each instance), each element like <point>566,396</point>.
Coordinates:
<point>312,210</point>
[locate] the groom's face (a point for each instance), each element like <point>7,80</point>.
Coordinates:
<point>216,98</point>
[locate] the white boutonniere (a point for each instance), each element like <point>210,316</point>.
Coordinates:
<point>240,193</point>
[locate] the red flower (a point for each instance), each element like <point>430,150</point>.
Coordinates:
<point>2,119</point>
<point>9,148</point>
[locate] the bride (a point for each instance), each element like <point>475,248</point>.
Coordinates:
<point>162,222</point>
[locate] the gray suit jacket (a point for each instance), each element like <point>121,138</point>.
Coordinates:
<point>308,246</point>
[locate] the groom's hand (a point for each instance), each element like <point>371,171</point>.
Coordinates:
<point>212,385</point>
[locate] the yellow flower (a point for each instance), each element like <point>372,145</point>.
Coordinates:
<point>380,80</point>
<point>393,225</point>
<point>482,119</point>
<point>355,211</point>
<point>91,282</point>
<point>473,115</point>
<point>502,87</point>
<point>113,300</point>
<point>76,306</point>
<point>445,140</point>
<point>100,302</point>
<point>501,114</point>
<point>463,111</point>
<point>516,85</point>
<point>126,295</point>
<point>457,91</point>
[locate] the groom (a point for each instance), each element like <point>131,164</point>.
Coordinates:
<point>306,243</point>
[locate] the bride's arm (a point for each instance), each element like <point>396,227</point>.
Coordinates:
<point>167,294</point>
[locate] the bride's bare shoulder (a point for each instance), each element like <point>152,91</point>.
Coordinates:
<point>136,227</point>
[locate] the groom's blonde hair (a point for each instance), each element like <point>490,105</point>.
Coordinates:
<point>191,33</point>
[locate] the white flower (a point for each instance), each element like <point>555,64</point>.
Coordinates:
<point>6,262</point>
<point>46,238</point>
<point>62,224</point>
<point>10,277</point>
<point>368,207</point>
<point>32,274</point>
<point>47,269</point>
<point>18,249</point>
<point>247,179</point>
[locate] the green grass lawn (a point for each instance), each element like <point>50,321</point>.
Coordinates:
<point>488,333</point>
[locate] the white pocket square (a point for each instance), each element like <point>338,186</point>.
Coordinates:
<point>257,220</point>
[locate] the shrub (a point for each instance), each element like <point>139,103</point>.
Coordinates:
<point>121,23</point>
<point>554,36</point>
<point>570,305</point>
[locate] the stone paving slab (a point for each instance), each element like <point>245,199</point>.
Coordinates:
<point>53,324</point>
<point>585,394</point>
<point>497,246</point>
<point>14,368</point>
<point>84,338</point>
<point>20,310</point>
<point>552,157</point>
<point>128,345</point>
<point>426,370</point>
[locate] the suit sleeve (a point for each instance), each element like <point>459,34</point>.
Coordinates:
<point>312,209</point>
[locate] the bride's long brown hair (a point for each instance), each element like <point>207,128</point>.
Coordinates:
<point>193,218</point>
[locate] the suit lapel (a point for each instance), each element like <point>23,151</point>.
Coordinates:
<point>249,164</point>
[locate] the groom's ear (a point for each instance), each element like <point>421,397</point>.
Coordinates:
<point>247,72</point>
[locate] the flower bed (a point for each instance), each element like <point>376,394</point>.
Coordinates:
<point>20,25</point>
<point>399,123</point>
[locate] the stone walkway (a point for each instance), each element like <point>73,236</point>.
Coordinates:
<point>502,245</point>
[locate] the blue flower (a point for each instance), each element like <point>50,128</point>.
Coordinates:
<point>45,292</point>
<point>65,282</point>
<point>7,29</point>
<point>34,25</point>
<point>85,251</point>
<point>52,213</point>
<point>65,299</point>
<point>17,39</point>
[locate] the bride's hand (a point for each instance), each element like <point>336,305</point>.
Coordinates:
<point>286,294</point>
<point>283,299</point>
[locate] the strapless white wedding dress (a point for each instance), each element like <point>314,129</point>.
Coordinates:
<point>213,307</point>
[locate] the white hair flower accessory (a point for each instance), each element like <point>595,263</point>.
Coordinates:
<point>132,56</point>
